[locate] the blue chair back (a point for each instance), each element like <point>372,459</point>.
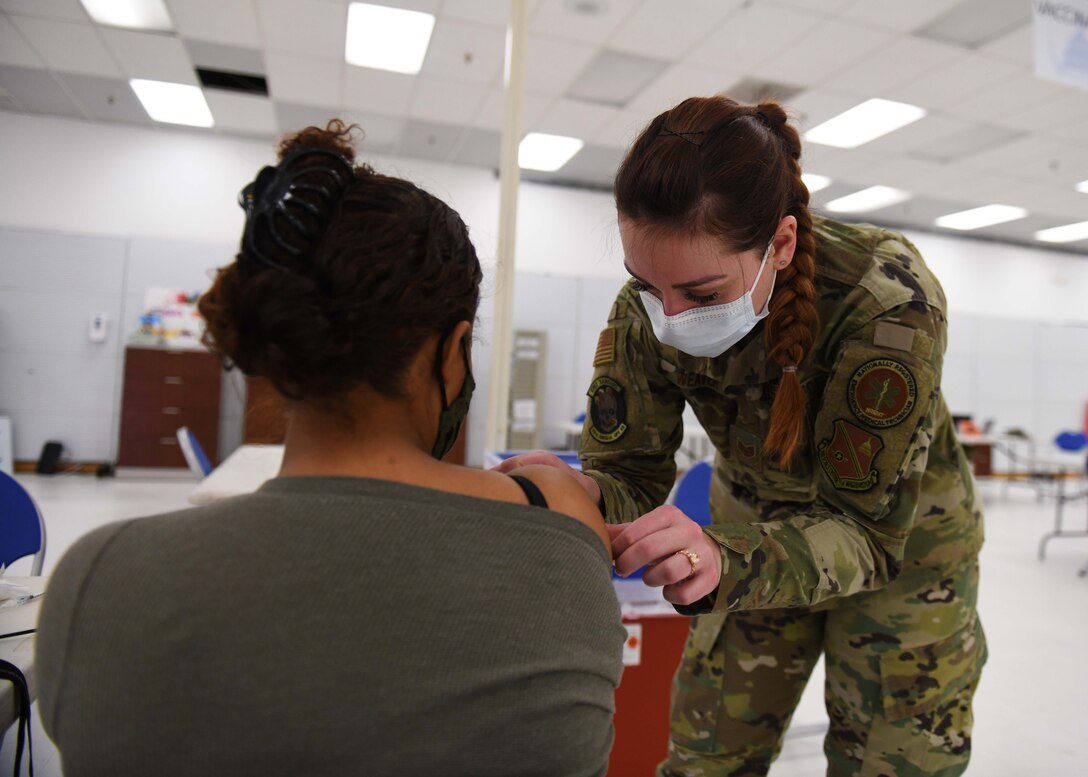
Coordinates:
<point>692,494</point>
<point>1071,441</point>
<point>22,530</point>
<point>194,454</point>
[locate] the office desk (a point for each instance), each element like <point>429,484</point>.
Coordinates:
<point>19,650</point>
<point>243,472</point>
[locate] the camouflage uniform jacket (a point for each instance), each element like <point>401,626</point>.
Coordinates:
<point>880,481</point>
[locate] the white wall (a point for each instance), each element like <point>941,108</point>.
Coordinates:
<point>161,204</point>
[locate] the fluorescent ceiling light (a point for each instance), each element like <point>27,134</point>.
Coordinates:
<point>387,38</point>
<point>1082,187</point>
<point>864,122</point>
<point>134,14</point>
<point>538,151</point>
<point>873,198</point>
<point>815,182</point>
<point>1067,234</point>
<point>976,218</point>
<point>173,103</point>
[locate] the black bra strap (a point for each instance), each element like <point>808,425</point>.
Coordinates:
<point>532,493</point>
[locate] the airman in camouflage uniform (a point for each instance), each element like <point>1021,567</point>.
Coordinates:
<point>865,549</point>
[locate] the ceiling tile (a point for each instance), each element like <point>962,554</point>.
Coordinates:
<point>622,130</point>
<point>299,79</point>
<point>223,56</point>
<point>962,139</point>
<point>827,49</point>
<point>974,23</point>
<point>233,22</point>
<point>594,165</point>
<point>815,106</point>
<point>944,87</point>
<point>291,117</point>
<point>750,36</point>
<point>551,65</point>
<point>377,91</point>
<point>315,28</point>
<point>68,46</point>
<point>425,6</point>
<point>1017,46</point>
<point>574,118</point>
<point>896,15</point>
<point>993,103</point>
<point>478,11</point>
<point>72,10</point>
<point>925,134</point>
<point>381,134</point>
<point>428,140</point>
<point>615,77</point>
<point>478,148</point>
<point>560,19</point>
<point>915,175</point>
<point>446,102</point>
<point>460,51</point>
<point>241,112</point>
<point>678,83</point>
<point>901,62</point>
<point>107,99</point>
<point>1062,110</point>
<point>37,91</point>
<point>144,55</point>
<point>14,50</point>
<point>490,113</point>
<point>657,30</point>
<point>841,164</point>
<point>826,7</point>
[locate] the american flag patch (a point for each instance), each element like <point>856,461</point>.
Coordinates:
<point>605,353</point>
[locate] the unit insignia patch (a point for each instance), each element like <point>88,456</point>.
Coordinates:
<point>881,393</point>
<point>607,410</point>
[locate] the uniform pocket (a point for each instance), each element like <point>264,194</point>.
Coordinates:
<point>916,681</point>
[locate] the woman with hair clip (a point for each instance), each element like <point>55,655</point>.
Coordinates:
<point>373,609</point>
<point>845,520</point>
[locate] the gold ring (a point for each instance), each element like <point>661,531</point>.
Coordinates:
<point>693,559</point>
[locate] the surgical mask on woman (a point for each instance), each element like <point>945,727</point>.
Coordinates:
<point>710,330</point>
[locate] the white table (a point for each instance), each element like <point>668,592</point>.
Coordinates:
<point>19,650</point>
<point>243,472</point>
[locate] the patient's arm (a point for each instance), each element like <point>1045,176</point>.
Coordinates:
<point>566,495</point>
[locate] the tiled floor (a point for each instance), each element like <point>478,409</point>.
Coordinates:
<point>1031,708</point>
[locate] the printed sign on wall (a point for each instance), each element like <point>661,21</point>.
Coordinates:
<point>1061,41</point>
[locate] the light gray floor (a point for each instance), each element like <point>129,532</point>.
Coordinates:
<point>1032,705</point>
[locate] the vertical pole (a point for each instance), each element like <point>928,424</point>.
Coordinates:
<point>509,174</point>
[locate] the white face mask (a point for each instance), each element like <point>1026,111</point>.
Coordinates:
<point>710,330</point>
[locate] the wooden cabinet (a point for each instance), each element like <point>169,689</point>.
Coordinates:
<point>165,390</point>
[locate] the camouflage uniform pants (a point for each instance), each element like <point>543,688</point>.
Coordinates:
<point>902,666</point>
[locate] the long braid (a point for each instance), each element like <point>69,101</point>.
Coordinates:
<point>793,320</point>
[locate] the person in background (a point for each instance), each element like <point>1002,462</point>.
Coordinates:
<point>373,609</point>
<point>845,519</point>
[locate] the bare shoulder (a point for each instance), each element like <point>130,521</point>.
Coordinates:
<point>565,495</point>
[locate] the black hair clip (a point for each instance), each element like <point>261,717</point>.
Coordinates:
<point>273,205</point>
<point>684,136</point>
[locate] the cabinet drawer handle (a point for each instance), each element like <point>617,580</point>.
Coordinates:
<point>171,410</point>
<point>168,441</point>
<point>172,381</point>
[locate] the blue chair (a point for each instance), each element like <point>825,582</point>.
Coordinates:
<point>692,492</point>
<point>1071,441</point>
<point>194,454</point>
<point>22,530</point>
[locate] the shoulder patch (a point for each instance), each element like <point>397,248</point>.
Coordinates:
<point>848,456</point>
<point>881,393</point>
<point>607,410</point>
<point>888,335</point>
<point>606,348</point>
